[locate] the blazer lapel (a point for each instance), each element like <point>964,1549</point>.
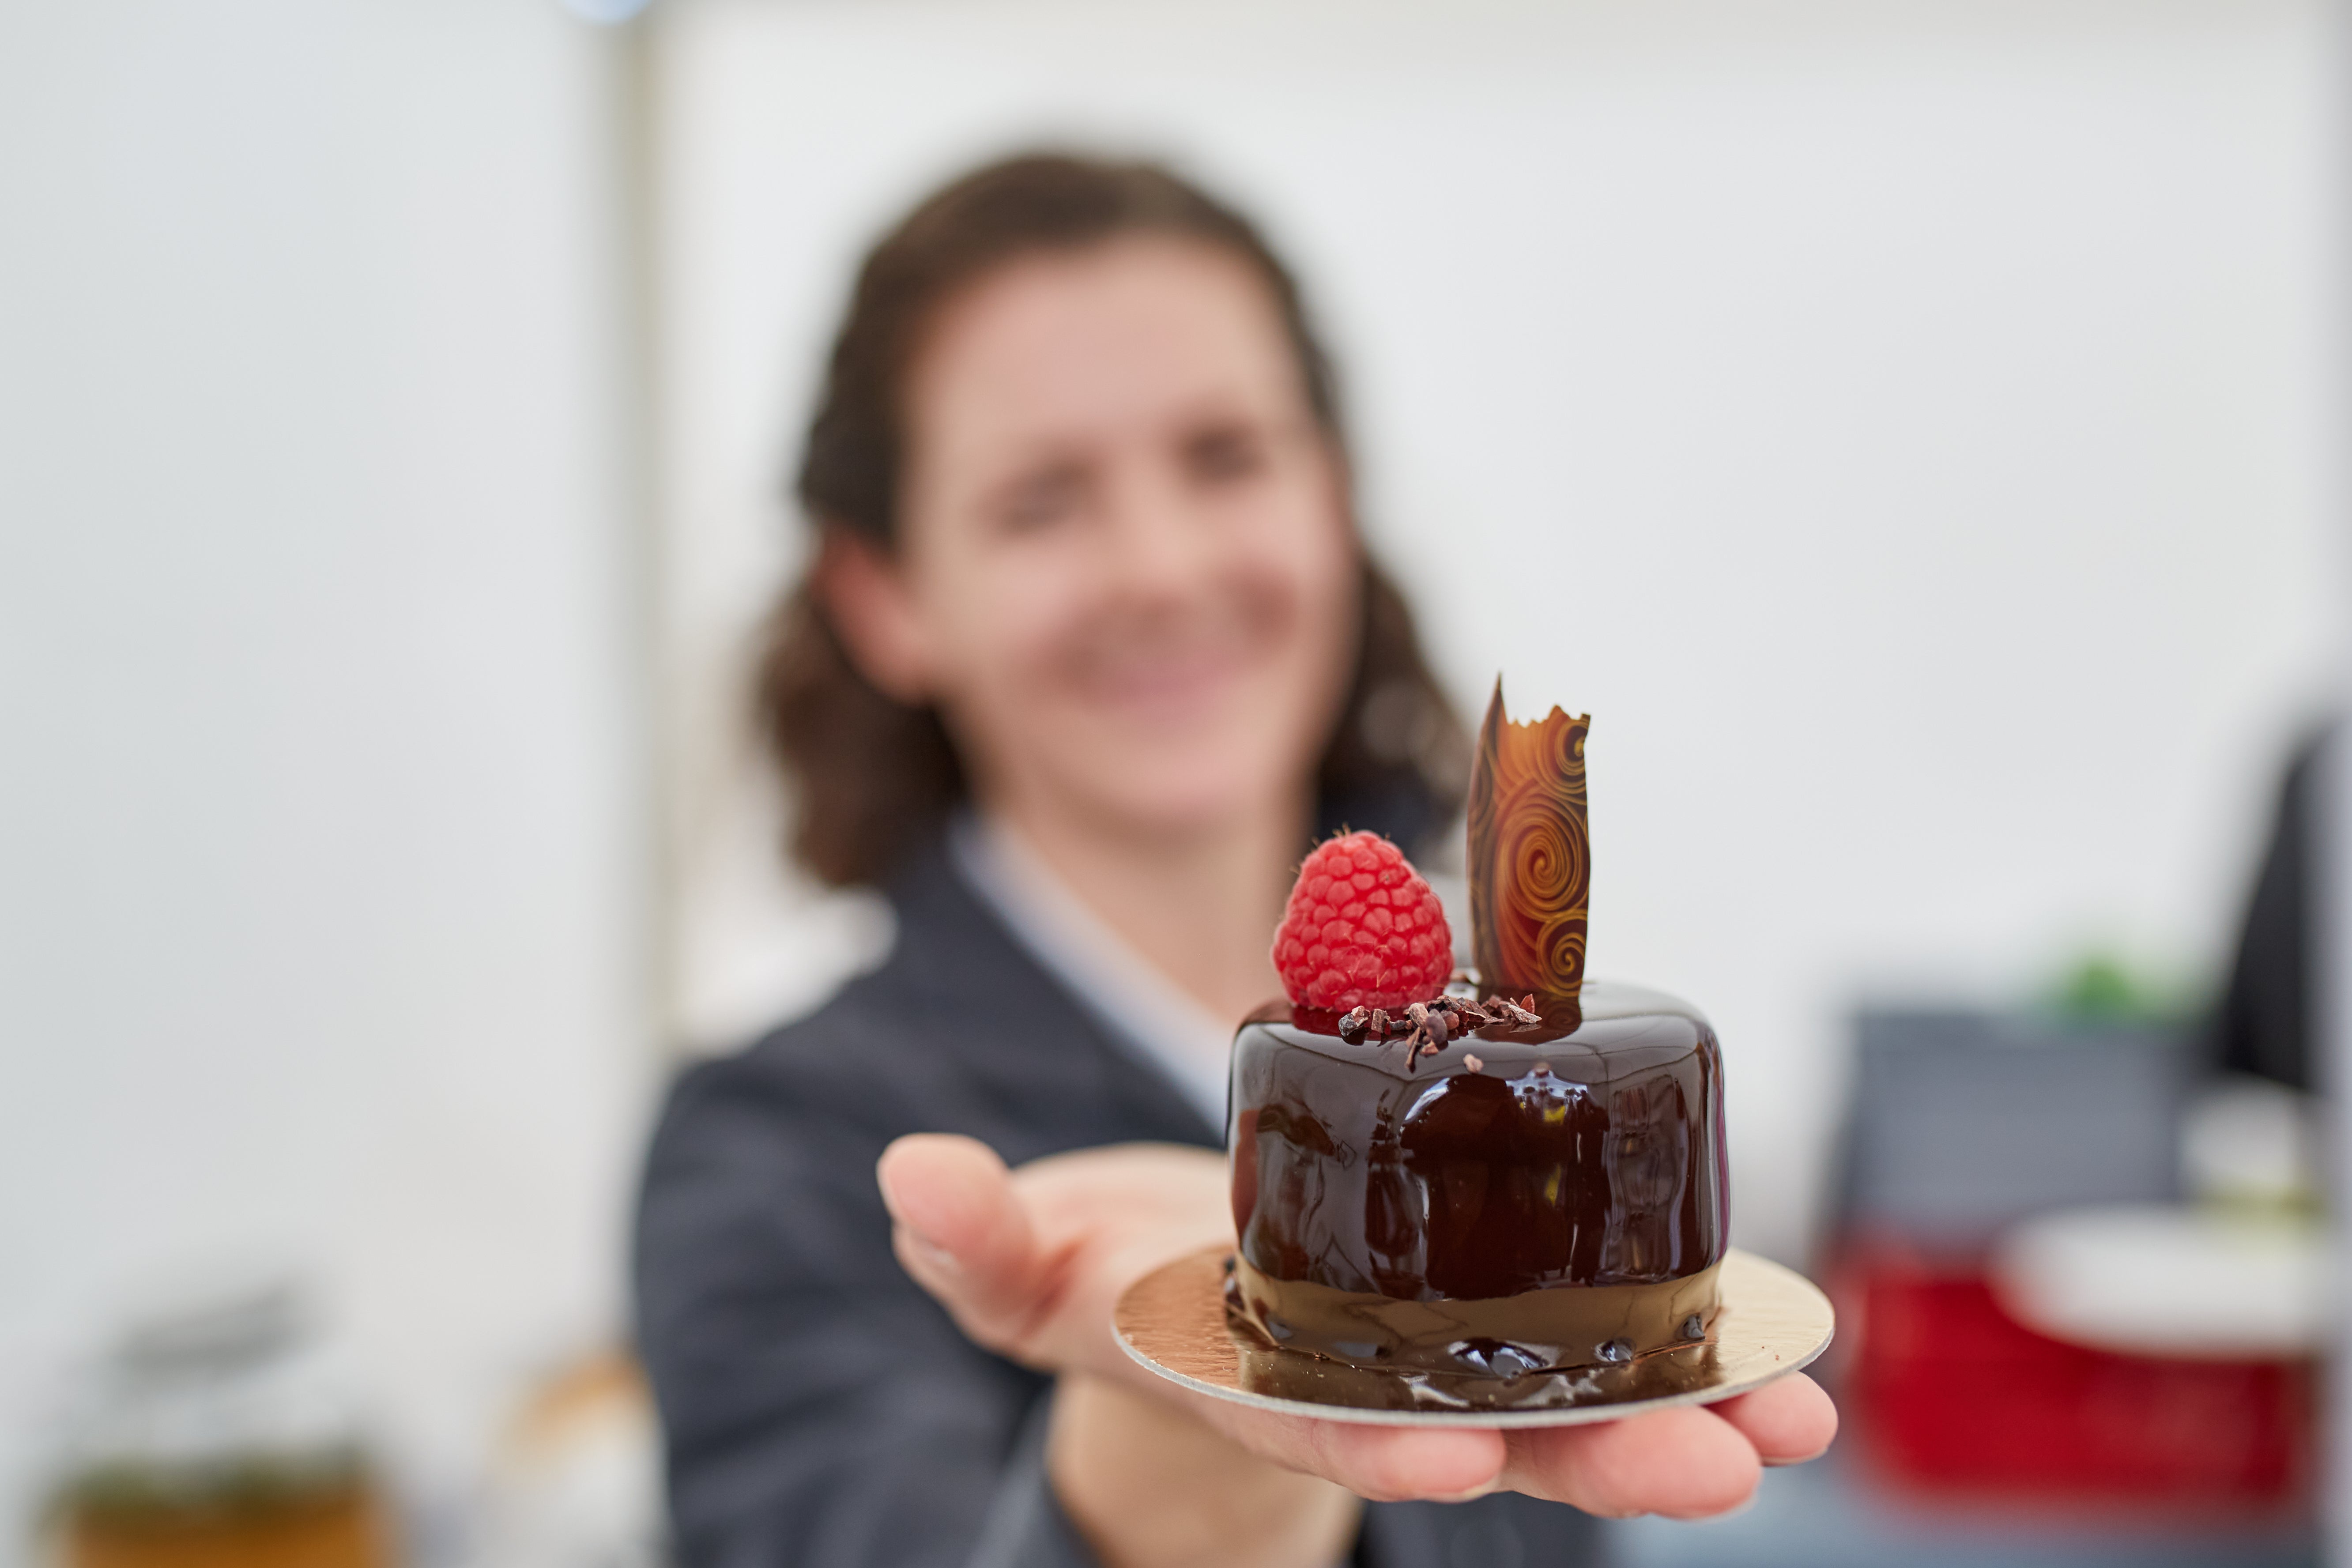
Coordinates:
<point>1027,1036</point>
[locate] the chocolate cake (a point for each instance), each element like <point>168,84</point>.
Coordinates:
<point>1528,1184</point>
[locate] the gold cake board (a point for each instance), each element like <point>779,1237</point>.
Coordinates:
<point>1772,1322</point>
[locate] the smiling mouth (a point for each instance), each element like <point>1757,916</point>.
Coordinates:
<point>1177,670</point>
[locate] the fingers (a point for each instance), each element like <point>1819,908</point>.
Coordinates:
<point>1685,1463</point>
<point>1153,1199</point>
<point>1385,1464</point>
<point>1031,1262</point>
<point>1789,1421</point>
<point>1688,1463</point>
<point>962,1233</point>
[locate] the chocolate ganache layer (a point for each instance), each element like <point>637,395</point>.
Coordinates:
<point>1530,1197</point>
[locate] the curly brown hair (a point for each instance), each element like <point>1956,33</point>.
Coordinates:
<point>873,776</point>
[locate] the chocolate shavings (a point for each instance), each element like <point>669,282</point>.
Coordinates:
<point>1426,1027</point>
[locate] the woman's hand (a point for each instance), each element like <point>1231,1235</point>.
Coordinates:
<point>1031,1263</point>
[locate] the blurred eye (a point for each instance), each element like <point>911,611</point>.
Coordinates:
<point>1039,500</point>
<point>1226,455</point>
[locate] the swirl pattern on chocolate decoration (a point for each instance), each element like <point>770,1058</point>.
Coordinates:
<point>1530,852</point>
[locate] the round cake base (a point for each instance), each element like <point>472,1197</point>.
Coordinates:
<point>1773,1320</point>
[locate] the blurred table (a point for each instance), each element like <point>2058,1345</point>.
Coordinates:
<point>1824,1515</point>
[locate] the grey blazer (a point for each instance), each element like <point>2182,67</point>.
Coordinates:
<point>819,1410</point>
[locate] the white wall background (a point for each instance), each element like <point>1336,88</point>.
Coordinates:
<point>1907,430</point>
<point>321,905</point>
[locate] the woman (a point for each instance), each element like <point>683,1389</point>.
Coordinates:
<point>1089,653</point>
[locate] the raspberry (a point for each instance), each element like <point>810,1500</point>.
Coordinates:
<point>1362,929</point>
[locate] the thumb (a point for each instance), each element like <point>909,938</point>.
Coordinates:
<point>960,1229</point>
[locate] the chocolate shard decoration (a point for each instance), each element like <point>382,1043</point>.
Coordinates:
<point>1530,853</point>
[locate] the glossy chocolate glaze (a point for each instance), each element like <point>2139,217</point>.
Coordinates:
<point>1566,1200</point>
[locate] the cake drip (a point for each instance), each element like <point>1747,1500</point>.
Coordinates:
<point>1549,1199</point>
<point>1561,1329</point>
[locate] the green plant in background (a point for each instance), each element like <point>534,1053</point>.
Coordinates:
<point>2103,987</point>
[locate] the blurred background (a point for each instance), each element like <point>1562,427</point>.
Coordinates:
<point>1913,431</point>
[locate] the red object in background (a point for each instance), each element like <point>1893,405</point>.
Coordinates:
<point>1951,1396</point>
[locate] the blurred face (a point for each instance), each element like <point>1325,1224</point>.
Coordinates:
<point>1126,572</point>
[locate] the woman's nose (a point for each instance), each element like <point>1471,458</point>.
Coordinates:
<point>1158,547</point>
